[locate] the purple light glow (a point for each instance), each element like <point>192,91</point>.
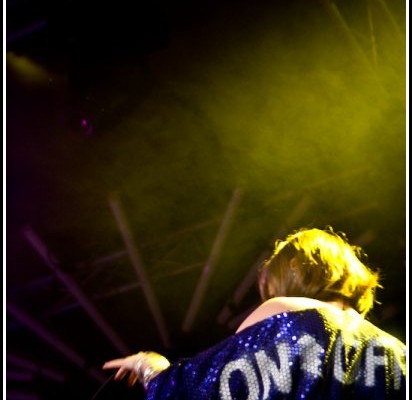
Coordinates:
<point>87,126</point>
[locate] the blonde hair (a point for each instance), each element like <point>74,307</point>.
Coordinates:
<point>320,264</point>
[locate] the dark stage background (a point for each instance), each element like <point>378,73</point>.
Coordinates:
<point>147,140</point>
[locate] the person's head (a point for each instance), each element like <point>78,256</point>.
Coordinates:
<point>320,264</point>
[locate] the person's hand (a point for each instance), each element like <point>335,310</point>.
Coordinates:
<point>142,367</point>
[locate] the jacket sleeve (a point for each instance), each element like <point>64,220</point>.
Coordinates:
<point>169,384</point>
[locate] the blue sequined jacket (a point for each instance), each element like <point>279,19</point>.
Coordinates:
<point>300,355</point>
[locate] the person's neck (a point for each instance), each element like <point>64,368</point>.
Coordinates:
<point>339,304</point>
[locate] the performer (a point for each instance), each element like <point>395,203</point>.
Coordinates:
<point>309,339</point>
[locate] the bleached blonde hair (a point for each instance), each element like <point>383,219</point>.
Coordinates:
<point>320,264</point>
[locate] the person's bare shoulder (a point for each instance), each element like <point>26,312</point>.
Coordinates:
<point>278,305</point>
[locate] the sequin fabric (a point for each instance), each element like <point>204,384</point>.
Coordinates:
<point>300,355</point>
